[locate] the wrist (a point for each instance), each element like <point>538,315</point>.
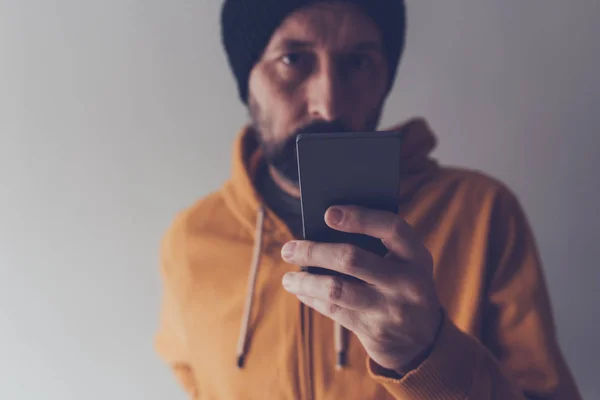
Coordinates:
<point>426,352</point>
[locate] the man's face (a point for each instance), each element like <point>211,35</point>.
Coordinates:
<point>324,70</point>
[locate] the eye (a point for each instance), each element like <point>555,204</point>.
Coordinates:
<point>292,59</point>
<point>358,61</point>
<point>296,65</point>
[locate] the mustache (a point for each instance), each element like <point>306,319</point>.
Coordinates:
<point>314,127</point>
<point>284,158</point>
<point>322,127</point>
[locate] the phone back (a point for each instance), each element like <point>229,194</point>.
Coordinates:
<point>360,169</point>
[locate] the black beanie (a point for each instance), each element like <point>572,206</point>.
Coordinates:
<point>247,27</point>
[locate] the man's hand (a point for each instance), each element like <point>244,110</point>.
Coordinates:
<point>394,311</point>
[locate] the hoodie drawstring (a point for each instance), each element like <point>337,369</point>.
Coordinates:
<point>243,338</point>
<point>339,331</point>
<point>339,337</point>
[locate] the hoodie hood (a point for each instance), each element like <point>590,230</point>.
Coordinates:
<point>244,201</point>
<point>285,350</point>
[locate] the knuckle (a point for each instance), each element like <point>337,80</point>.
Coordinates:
<point>335,288</point>
<point>396,228</point>
<point>379,331</point>
<point>349,257</point>
<point>309,248</point>
<point>333,309</point>
<point>385,331</point>
<point>398,315</point>
<point>413,293</point>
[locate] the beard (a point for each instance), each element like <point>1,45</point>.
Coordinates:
<point>281,154</point>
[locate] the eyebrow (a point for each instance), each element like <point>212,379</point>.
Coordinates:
<point>297,45</point>
<point>368,46</point>
<point>294,45</point>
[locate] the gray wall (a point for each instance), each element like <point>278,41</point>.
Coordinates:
<point>116,114</point>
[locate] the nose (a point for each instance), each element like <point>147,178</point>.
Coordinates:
<point>325,94</point>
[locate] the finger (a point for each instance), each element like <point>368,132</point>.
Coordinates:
<point>347,318</point>
<point>396,234</point>
<point>337,290</point>
<point>343,258</point>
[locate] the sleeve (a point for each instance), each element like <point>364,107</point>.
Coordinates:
<point>518,356</point>
<point>170,342</point>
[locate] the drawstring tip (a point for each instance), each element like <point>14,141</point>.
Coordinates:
<point>240,362</point>
<point>341,360</point>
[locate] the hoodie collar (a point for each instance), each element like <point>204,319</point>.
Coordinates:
<point>240,194</point>
<point>244,201</point>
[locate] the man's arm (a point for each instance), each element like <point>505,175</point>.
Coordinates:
<point>170,342</point>
<point>519,357</point>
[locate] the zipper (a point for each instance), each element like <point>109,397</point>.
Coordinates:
<point>305,331</point>
<point>309,383</point>
<point>305,327</point>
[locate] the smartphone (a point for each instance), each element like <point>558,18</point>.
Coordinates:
<point>361,169</point>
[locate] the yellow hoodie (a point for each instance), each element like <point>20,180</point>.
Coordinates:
<point>222,257</point>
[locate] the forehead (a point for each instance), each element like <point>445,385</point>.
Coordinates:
<point>332,25</point>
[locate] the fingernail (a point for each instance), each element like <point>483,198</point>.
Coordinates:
<point>334,216</point>
<point>288,250</point>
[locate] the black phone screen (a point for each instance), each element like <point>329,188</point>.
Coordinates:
<point>361,169</point>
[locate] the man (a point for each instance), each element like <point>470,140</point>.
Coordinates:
<point>458,309</point>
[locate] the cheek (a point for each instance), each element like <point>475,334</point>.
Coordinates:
<point>370,92</point>
<point>280,103</point>
<point>365,111</point>
<point>366,102</point>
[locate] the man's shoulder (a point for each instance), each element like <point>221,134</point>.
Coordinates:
<point>202,215</point>
<point>475,189</point>
<point>205,210</point>
<point>473,181</point>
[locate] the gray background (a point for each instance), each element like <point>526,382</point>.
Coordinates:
<point>116,114</point>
